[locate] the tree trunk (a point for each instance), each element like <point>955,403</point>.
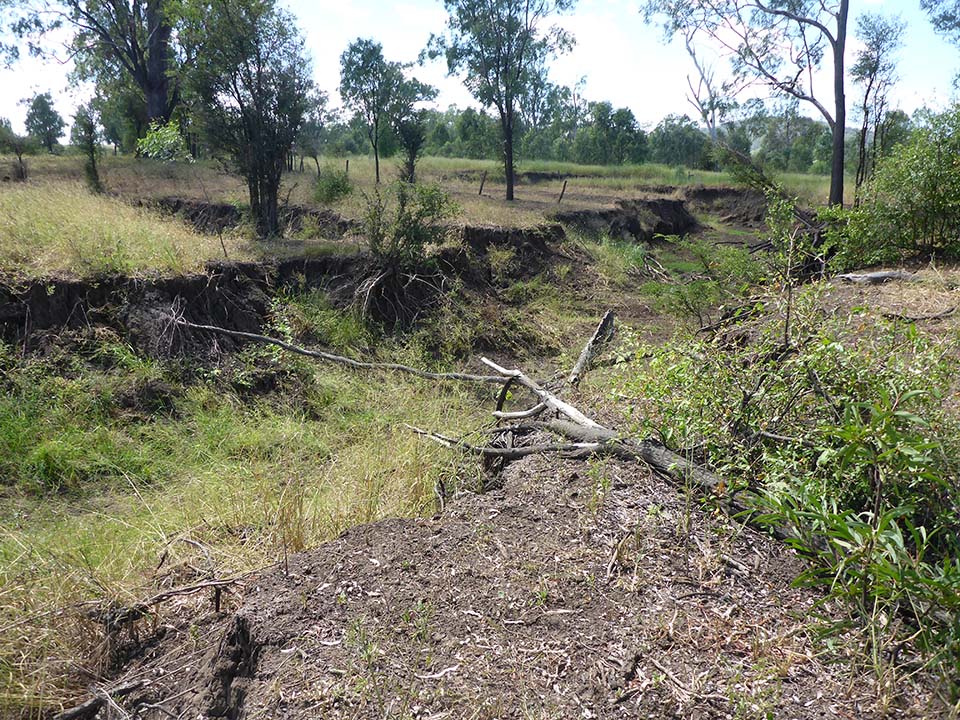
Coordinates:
<point>507,126</point>
<point>375,142</point>
<point>156,89</point>
<point>840,102</point>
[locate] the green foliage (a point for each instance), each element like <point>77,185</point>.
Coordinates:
<point>398,231</point>
<point>498,47</point>
<point>377,91</point>
<point>849,444</point>
<point>678,141</point>
<point>912,203</point>
<point>252,79</point>
<point>87,138</point>
<point>704,277</point>
<point>165,143</point>
<point>43,122</point>
<point>332,184</point>
<point>309,317</point>
<point>19,145</point>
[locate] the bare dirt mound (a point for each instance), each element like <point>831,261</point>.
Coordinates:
<point>575,591</point>
<point>639,220</point>
<point>743,207</point>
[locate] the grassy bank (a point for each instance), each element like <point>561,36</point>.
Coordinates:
<point>120,475</point>
<point>60,228</point>
<point>588,185</point>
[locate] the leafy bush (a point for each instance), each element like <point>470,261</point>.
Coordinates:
<point>716,274</point>
<point>911,205</point>
<point>331,185</point>
<point>398,232</point>
<point>87,137</point>
<point>847,441</point>
<point>164,142</point>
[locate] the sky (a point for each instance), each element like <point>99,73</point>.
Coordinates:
<point>623,60</point>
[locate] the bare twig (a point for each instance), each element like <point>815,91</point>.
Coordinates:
<point>917,318</point>
<point>509,453</point>
<point>89,708</point>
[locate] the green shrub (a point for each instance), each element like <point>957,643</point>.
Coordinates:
<point>715,275</point>
<point>332,184</point>
<point>399,230</point>
<point>911,205</point>
<point>850,446</point>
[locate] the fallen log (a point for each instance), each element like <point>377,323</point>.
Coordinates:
<point>876,278</point>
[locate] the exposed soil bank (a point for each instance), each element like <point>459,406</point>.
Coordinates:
<point>738,206</point>
<point>233,295</point>
<point>524,252</point>
<point>633,220</point>
<point>237,296</point>
<point>210,217</point>
<point>550,598</point>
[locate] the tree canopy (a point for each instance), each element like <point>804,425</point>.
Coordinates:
<point>498,46</point>
<point>43,122</point>
<point>780,43</point>
<point>113,40</point>
<point>252,84</point>
<point>378,91</point>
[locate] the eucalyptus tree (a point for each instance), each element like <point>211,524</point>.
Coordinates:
<point>874,70</point>
<point>251,81</point>
<point>945,16</point>
<point>780,43</point>
<point>43,122</point>
<point>110,40</point>
<point>368,86</point>
<point>497,45</point>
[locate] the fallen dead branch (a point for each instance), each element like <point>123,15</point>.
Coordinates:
<point>603,334</point>
<point>339,359</point>
<point>102,696</point>
<point>117,617</point>
<point>919,318</point>
<point>586,437</point>
<point>876,278</point>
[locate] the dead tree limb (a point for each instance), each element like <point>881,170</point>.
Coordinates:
<point>876,278</point>
<point>546,397</point>
<point>509,453</point>
<point>918,318</point>
<point>603,334</point>
<point>119,616</point>
<point>89,708</point>
<point>340,359</point>
<point>521,415</point>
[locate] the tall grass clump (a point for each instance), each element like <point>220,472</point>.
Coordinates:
<point>60,228</point>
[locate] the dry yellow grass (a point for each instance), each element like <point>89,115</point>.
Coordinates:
<point>59,227</point>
